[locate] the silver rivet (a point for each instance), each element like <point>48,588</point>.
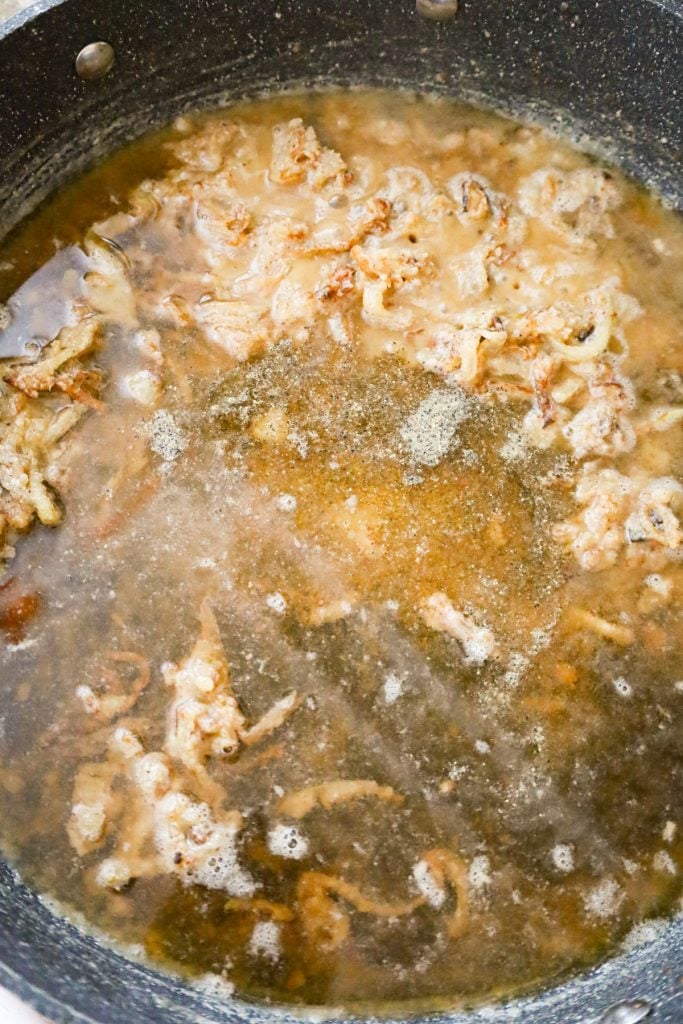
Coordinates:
<point>437,10</point>
<point>629,1012</point>
<point>95,61</point>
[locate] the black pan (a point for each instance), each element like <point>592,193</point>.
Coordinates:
<point>609,70</point>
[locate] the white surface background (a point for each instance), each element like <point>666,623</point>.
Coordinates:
<point>14,1012</point>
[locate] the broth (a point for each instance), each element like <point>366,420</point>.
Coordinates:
<point>351,673</point>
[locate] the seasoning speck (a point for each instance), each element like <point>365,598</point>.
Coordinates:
<point>165,437</point>
<point>430,431</point>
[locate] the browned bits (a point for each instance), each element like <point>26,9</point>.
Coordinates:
<point>340,283</point>
<point>475,202</point>
<point>17,614</point>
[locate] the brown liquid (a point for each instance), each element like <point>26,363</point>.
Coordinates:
<point>289,482</point>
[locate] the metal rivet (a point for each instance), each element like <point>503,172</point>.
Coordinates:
<point>95,61</point>
<point>629,1012</point>
<point>437,10</point>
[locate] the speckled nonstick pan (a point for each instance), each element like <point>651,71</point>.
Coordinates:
<point>610,69</point>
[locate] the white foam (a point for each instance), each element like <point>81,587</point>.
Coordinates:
<point>214,985</point>
<point>540,639</point>
<point>287,841</point>
<point>265,941</point>
<point>276,603</point>
<point>479,647</point>
<point>286,502</point>
<point>427,885</point>
<point>211,859</point>
<point>223,871</point>
<point>604,899</point>
<point>669,831</point>
<point>660,584</point>
<point>623,688</point>
<point>479,872</point>
<point>392,688</point>
<point>563,857</point>
<point>663,862</point>
<point>643,933</point>
<point>518,663</point>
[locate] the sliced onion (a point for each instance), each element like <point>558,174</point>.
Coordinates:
<point>581,352</point>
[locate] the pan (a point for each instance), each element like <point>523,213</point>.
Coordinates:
<point>80,77</point>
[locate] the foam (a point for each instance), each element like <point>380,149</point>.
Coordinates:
<point>643,933</point>
<point>286,502</point>
<point>427,885</point>
<point>479,872</point>
<point>392,688</point>
<point>518,664</point>
<point>663,862</point>
<point>210,859</point>
<point>563,857</point>
<point>604,899</point>
<point>669,831</point>
<point>287,841</point>
<point>265,941</point>
<point>214,985</point>
<point>660,584</point>
<point>478,647</point>
<point>623,688</point>
<point>276,603</point>
<point>222,870</point>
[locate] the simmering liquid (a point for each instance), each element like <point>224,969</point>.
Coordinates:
<point>342,661</point>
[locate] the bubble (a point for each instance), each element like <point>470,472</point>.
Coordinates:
<point>287,841</point>
<point>286,502</point>
<point>265,941</point>
<point>604,899</point>
<point>563,857</point>
<point>276,603</point>
<point>623,688</point>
